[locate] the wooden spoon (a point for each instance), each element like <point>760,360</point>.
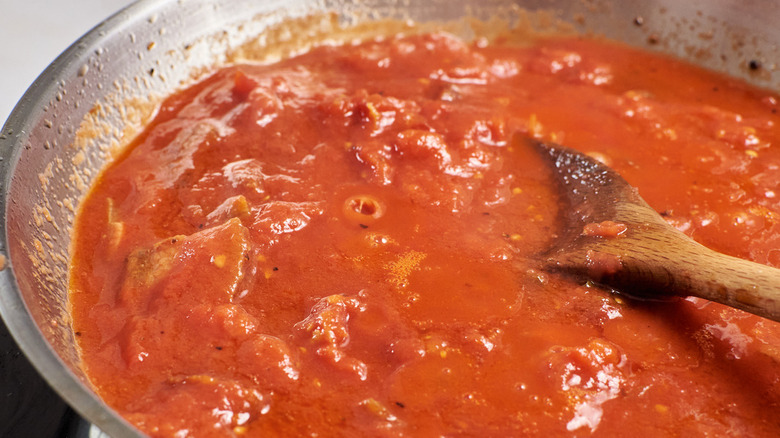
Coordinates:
<point>631,248</point>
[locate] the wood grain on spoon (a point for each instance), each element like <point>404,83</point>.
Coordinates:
<point>612,236</point>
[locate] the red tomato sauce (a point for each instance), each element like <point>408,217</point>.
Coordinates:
<point>343,243</point>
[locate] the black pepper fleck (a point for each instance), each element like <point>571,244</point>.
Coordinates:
<point>754,64</point>
<point>363,225</point>
<point>275,268</point>
<point>400,405</point>
<point>218,348</point>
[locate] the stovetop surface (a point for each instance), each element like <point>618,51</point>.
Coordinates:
<point>28,406</point>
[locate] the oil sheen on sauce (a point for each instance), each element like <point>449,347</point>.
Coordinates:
<point>342,244</point>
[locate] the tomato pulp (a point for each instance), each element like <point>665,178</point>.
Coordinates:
<point>343,243</point>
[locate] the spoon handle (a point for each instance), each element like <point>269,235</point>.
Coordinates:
<point>664,264</point>
<point>735,282</point>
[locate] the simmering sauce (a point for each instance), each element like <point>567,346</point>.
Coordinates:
<point>343,244</point>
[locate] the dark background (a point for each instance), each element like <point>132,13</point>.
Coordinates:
<point>29,408</point>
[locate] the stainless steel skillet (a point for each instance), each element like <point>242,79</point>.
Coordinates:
<point>92,98</point>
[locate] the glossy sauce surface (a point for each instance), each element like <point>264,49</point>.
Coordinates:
<point>342,244</point>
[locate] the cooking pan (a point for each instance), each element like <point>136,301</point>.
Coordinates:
<point>97,94</point>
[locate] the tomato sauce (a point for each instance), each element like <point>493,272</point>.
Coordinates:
<point>344,243</point>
